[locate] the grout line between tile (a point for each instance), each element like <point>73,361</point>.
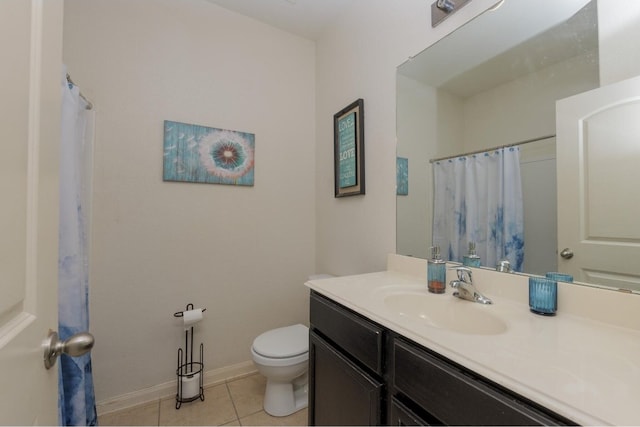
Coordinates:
<point>226,384</point>
<point>159,405</point>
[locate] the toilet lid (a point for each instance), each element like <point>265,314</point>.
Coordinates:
<point>283,342</point>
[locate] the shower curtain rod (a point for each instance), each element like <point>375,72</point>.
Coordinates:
<point>89,103</point>
<point>493,148</point>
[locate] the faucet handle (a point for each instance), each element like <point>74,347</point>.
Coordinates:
<point>464,274</point>
<point>504,266</point>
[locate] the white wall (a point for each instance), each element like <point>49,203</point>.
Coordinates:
<point>357,58</point>
<point>538,175</point>
<point>427,128</point>
<point>618,33</point>
<point>415,120</point>
<point>514,112</point>
<point>241,252</point>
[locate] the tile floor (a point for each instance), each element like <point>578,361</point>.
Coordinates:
<point>234,403</point>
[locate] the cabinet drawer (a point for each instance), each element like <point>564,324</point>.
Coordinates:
<point>353,334</point>
<point>447,393</point>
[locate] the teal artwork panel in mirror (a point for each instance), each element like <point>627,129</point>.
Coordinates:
<point>402,176</point>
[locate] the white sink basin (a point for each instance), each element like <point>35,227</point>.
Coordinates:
<point>446,312</point>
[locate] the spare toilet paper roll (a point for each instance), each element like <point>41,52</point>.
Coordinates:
<point>191,317</point>
<point>191,386</point>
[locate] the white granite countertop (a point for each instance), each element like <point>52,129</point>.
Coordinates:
<point>584,369</point>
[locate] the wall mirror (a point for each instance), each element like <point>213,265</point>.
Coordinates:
<point>494,82</point>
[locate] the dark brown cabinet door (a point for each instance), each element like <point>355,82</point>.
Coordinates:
<point>340,393</point>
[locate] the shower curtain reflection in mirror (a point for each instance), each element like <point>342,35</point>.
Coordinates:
<point>478,198</point>
<point>76,395</point>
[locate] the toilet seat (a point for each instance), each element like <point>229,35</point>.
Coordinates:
<point>283,343</point>
<point>276,362</point>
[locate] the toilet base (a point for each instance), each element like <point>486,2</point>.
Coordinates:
<point>285,398</point>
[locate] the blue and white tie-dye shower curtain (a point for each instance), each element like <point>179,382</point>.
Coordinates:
<point>76,401</point>
<point>478,198</point>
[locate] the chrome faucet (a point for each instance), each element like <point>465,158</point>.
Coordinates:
<point>465,287</point>
<point>504,266</point>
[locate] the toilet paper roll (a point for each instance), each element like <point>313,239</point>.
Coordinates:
<point>190,386</point>
<point>191,317</point>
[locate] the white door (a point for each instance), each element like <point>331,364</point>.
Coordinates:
<point>598,168</point>
<point>30,98</point>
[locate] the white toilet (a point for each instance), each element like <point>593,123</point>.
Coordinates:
<point>282,356</point>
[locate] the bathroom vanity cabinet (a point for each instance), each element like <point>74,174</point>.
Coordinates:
<point>346,383</point>
<point>362,373</point>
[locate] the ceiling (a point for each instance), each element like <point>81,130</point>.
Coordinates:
<point>306,18</point>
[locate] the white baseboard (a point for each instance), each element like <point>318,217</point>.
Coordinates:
<point>168,389</point>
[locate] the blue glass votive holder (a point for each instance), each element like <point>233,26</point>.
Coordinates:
<point>543,296</point>
<point>559,277</point>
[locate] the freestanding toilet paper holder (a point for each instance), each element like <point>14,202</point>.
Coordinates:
<point>189,373</point>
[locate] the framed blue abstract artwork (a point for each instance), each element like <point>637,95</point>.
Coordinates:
<point>402,176</point>
<point>201,154</point>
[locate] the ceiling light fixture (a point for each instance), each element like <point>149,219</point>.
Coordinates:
<point>441,9</point>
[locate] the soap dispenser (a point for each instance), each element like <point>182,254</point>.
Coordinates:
<point>471,259</point>
<point>436,272</point>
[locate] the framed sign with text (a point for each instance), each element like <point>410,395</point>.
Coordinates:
<point>348,150</point>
